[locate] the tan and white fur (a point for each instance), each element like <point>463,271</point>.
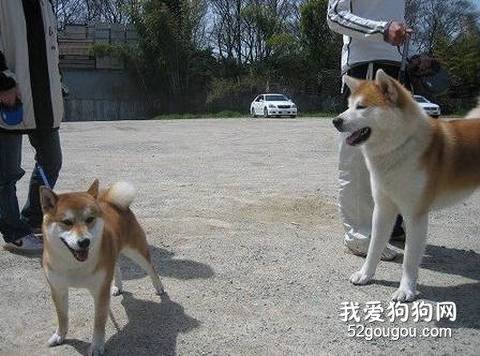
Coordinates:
<point>84,234</point>
<point>416,164</point>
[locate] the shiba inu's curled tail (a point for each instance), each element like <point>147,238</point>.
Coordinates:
<point>120,194</point>
<point>474,113</point>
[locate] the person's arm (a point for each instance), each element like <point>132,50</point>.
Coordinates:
<point>341,20</point>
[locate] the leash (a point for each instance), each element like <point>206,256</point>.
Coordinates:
<point>402,74</point>
<point>43,175</point>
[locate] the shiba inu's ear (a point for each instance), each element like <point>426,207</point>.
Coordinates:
<point>48,199</point>
<point>388,86</point>
<point>351,82</point>
<point>93,190</point>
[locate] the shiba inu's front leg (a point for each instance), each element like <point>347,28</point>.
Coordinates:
<point>60,300</point>
<point>414,248</point>
<point>384,215</point>
<point>102,305</point>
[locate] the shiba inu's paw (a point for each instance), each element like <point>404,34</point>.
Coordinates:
<point>360,278</point>
<point>56,340</point>
<point>404,295</point>
<point>96,350</point>
<point>116,291</point>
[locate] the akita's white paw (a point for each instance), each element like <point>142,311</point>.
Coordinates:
<point>116,291</point>
<point>404,295</point>
<point>360,278</point>
<point>56,340</point>
<point>96,350</point>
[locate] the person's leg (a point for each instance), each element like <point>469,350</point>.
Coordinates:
<point>48,156</point>
<point>355,198</point>
<point>11,227</point>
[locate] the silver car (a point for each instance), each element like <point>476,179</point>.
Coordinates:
<point>267,105</point>
<point>430,108</point>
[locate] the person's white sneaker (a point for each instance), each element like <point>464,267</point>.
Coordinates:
<point>360,248</point>
<point>28,244</point>
<point>38,233</point>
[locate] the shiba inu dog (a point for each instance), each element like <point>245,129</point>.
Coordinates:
<point>84,233</point>
<point>416,164</point>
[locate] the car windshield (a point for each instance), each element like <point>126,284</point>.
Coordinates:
<point>276,98</point>
<point>420,99</point>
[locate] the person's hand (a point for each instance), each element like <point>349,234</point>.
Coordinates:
<point>397,33</point>
<point>9,97</point>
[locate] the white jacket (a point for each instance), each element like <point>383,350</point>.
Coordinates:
<point>29,59</point>
<point>362,24</point>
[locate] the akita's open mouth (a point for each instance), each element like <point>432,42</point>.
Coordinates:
<point>359,136</point>
<point>80,255</point>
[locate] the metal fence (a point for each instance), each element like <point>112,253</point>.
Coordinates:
<point>105,110</point>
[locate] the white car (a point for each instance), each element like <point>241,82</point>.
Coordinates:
<point>429,107</point>
<point>273,105</point>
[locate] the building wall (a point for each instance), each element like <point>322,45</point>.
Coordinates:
<point>100,88</point>
<point>103,95</point>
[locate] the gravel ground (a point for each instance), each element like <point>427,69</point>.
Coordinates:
<point>242,220</point>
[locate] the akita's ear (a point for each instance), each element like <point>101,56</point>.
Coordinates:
<point>93,190</point>
<point>48,199</point>
<point>351,82</point>
<point>388,86</point>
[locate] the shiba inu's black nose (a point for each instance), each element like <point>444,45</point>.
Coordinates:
<point>84,243</point>
<point>338,122</point>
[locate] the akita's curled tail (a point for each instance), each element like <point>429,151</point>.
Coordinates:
<point>120,194</point>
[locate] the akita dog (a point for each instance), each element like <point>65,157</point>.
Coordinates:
<point>416,164</point>
<point>84,233</point>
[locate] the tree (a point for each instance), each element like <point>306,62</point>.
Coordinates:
<point>169,60</point>
<point>460,58</point>
<point>322,46</point>
<point>436,20</point>
<point>227,50</point>
<point>89,11</point>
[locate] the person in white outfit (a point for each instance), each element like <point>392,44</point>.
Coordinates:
<point>372,30</point>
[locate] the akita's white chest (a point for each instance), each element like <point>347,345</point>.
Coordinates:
<point>404,183</point>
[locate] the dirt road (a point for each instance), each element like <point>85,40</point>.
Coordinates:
<point>241,215</point>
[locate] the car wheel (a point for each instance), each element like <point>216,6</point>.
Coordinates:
<point>293,116</point>
<point>253,113</point>
<point>265,112</point>
<point>435,116</point>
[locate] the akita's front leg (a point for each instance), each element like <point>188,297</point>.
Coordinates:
<point>60,300</point>
<point>414,248</point>
<point>384,215</point>
<point>102,304</point>
<point>117,287</point>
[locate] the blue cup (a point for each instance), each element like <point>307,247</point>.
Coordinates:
<point>12,115</point>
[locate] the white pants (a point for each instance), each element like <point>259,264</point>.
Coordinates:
<point>355,196</point>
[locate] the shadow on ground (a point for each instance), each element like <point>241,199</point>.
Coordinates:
<point>152,328</point>
<point>166,265</point>
<point>466,296</point>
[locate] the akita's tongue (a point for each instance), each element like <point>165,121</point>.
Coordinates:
<point>81,255</point>
<point>353,138</point>
<point>359,136</point>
